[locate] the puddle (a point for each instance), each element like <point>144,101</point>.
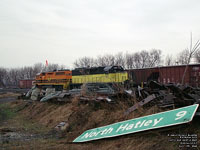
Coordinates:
<point>7,99</point>
<point>9,135</point>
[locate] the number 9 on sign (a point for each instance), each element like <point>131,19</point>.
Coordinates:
<point>180,115</point>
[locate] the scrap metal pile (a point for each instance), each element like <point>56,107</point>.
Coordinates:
<point>168,95</point>
<point>88,92</point>
<point>164,96</point>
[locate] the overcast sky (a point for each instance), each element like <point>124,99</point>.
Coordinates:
<point>61,31</point>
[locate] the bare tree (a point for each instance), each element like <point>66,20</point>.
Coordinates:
<point>129,61</point>
<point>154,58</point>
<point>37,68</point>
<point>144,57</point>
<point>51,67</point>
<point>120,59</point>
<point>26,73</point>
<point>100,61</point>
<point>105,60</point>
<point>183,56</point>
<point>109,60</point>
<point>13,77</point>
<point>197,56</point>
<point>3,74</point>
<point>62,67</point>
<point>137,60</point>
<point>169,60</point>
<point>84,62</point>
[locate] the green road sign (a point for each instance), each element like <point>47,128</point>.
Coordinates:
<point>163,119</point>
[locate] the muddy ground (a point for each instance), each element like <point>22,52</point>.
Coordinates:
<point>31,125</point>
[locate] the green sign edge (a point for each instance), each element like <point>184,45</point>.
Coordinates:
<point>197,105</point>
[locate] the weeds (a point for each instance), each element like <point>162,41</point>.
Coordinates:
<point>6,112</point>
<point>40,118</point>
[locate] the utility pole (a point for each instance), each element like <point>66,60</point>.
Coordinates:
<point>192,50</point>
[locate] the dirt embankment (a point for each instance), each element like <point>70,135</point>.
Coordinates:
<point>84,116</point>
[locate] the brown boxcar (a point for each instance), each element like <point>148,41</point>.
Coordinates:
<point>26,84</point>
<point>167,74</point>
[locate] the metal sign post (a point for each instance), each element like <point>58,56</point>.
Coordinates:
<point>159,120</point>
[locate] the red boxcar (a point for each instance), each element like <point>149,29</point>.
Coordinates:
<point>26,84</point>
<point>168,74</point>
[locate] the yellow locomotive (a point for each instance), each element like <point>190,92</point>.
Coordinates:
<point>109,74</point>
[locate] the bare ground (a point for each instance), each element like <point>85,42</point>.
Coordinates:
<point>34,123</point>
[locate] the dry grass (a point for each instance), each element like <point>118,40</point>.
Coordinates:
<point>91,115</point>
<point>9,94</point>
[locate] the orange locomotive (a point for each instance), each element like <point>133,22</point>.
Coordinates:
<point>57,79</point>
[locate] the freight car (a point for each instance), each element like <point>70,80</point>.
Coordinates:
<point>26,83</point>
<point>167,74</point>
<point>66,79</point>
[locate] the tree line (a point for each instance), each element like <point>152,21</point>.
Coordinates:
<point>9,77</point>
<point>136,60</point>
<point>143,59</point>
